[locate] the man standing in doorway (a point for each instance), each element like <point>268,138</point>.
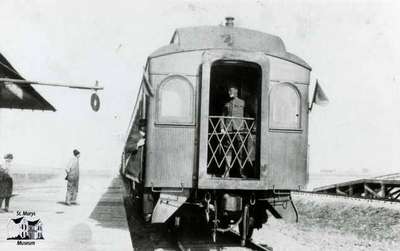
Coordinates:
<point>233,124</point>
<point>72,177</point>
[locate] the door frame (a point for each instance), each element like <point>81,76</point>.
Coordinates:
<point>205,180</point>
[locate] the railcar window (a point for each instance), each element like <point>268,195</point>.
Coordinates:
<point>175,101</point>
<point>285,107</point>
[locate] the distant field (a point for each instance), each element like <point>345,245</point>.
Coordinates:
<point>28,175</point>
<point>25,174</point>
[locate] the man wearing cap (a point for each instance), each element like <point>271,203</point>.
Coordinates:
<point>72,177</point>
<point>133,170</point>
<point>134,151</point>
<point>6,182</point>
<point>7,162</point>
<point>232,124</point>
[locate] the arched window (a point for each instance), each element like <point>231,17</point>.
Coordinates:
<point>175,101</point>
<point>285,107</point>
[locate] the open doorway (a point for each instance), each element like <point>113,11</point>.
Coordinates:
<point>234,120</point>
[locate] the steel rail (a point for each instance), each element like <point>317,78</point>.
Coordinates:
<point>250,244</point>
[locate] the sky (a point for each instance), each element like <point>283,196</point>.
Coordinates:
<point>352,47</point>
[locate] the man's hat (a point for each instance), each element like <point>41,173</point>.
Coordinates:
<point>75,152</point>
<point>8,156</point>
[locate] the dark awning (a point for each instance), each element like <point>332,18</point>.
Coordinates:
<point>19,95</point>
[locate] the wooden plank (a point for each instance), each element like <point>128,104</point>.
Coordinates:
<point>393,183</point>
<point>333,186</point>
<point>338,191</point>
<point>369,190</point>
<point>392,194</point>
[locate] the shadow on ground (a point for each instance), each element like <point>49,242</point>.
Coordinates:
<point>109,211</point>
<point>144,236</point>
<point>116,209</point>
<point>192,235</point>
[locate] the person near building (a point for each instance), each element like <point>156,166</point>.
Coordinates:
<point>6,182</point>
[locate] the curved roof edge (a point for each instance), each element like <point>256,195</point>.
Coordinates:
<point>28,99</point>
<point>223,37</point>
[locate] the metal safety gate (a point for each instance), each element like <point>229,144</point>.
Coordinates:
<point>231,141</point>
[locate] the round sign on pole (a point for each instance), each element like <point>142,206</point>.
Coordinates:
<point>95,102</point>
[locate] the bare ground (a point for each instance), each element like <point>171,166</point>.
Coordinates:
<point>334,224</point>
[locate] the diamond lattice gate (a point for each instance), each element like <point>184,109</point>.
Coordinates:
<point>231,143</point>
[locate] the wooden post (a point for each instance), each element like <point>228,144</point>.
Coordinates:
<point>350,190</point>
<point>338,191</point>
<point>365,190</point>
<point>382,192</point>
<point>371,191</point>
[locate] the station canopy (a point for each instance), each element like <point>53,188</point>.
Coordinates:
<point>19,95</point>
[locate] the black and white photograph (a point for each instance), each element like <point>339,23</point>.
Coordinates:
<point>199,125</point>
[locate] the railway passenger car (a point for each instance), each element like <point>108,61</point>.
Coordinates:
<point>193,161</point>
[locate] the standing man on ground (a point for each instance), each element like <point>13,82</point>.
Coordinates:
<point>72,177</point>
<point>8,158</point>
<point>6,182</point>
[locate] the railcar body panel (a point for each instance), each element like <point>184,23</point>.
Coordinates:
<point>288,167</point>
<point>184,63</point>
<point>226,113</point>
<point>176,149</point>
<point>171,150</point>
<point>285,71</point>
<point>174,154</point>
<point>206,181</point>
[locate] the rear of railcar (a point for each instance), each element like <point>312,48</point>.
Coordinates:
<point>185,156</point>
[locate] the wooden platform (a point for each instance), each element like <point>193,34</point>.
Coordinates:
<point>98,223</point>
<point>377,188</point>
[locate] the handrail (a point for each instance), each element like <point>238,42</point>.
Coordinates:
<point>231,117</point>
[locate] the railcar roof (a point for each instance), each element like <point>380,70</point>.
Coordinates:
<point>225,37</point>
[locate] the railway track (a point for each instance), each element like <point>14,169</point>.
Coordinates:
<point>344,197</point>
<point>225,241</point>
<point>190,237</point>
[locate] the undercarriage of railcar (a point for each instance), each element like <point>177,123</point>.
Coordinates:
<point>215,210</point>
<point>225,210</point>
